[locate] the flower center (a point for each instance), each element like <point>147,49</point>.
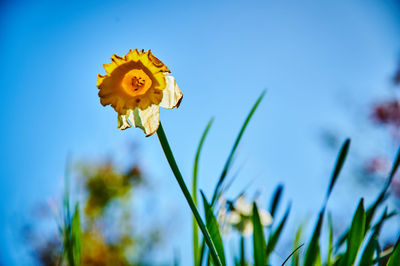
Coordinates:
<point>136,82</point>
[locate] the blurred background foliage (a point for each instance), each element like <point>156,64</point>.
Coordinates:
<point>109,236</point>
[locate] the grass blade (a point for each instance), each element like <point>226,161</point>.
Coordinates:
<point>174,167</point>
<point>291,254</point>
<point>76,236</point>
<point>276,199</point>
<point>356,234</point>
<point>196,249</point>
<point>338,166</point>
<point>395,165</point>
<point>234,147</point>
<point>296,258</point>
<point>242,252</point>
<point>395,257</point>
<point>274,237</point>
<point>313,248</point>
<point>68,244</point>
<point>318,262</point>
<point>367,257</point>
<point>213,228</point>
<point>330,241</point>
<point>258,239</point>
<point>371,210</point>
<point>369,214</point>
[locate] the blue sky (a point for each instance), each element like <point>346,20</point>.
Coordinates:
<point>312,57</point>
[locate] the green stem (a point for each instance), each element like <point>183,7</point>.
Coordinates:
<point>242,252</point>
<point>174,167</point>
<point>196,251</point>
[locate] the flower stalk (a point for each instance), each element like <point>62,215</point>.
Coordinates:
<point>174,167</point>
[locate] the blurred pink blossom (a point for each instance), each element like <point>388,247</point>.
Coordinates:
<point>377,165</point>
<point>387,113</point>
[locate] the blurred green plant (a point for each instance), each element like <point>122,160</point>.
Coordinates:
<point>85,237</point>
<point>104,184</point>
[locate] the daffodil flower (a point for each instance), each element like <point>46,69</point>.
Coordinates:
<point>136,85</point>
<point>239,216</point>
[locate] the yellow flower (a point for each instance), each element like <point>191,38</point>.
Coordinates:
<point>136,85</point>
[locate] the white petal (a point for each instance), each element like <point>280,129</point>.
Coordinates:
<point>123,122</point>
<point>247,228</point>
<point>222,201</point>
<point>225,229</point>
<point>242,206</point>
<point>233,218</point>
<point>265,217</point>
<point>221,214</point>
<point>147,119</point>
<point>172,95</point>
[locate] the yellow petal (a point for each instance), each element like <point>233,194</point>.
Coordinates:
<point>157,62</point>
<point>123,122</point>
<point>117,59</point>
<point>172,95</point>
<point>133,55</point>
<point>109,67</point>
<point>147,119</point>
<point>100,79</point>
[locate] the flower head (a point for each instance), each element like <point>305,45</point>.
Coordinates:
<point>136,85</point>
<point>239,216</point>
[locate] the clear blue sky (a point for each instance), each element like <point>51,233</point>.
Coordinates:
<point>310,57</point>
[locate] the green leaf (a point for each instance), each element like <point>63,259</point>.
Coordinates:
<point>196,249</point>
<point>258,239</point>
<point>330,241</point>
<point>338,259</point>
<point>371,210</point>
<point>242,252</point>
<point>338,166</point>
<point>367,257</point>
<point>313,247</point>
<point>213,228</point>
<point>292,254</point>
<point>274,237</point>
<point>68,244</point>
<point>76,236</point>
<point>202,253</point>
<point>369,214</point>
<point>233,150</point>
<point>318,261</point>
<point>296,258</point>
<point>395,257</point>
<point>395,165</point>
<point>356,234</point>
<point>275,200</point>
